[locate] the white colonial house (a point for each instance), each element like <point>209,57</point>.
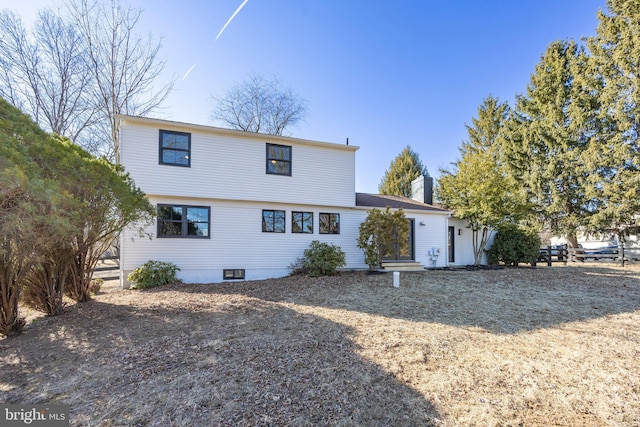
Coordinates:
<point>235,205</point>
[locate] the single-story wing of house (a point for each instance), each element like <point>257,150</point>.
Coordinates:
<point>234,205</point>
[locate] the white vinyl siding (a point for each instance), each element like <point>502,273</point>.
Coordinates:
<point>433,234</point>
<point>227,175</point>
<point>233,168</point>
<point>463,238</point>
<point>237,242</point>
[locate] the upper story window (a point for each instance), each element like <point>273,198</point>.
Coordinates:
<point>175,148</point>
<point>273,221</point>
<point>278,159</point>
<point>183,221</point>
<point>302,222</point>
<point>329,223</point>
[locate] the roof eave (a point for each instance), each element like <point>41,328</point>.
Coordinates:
<point>147,121</point>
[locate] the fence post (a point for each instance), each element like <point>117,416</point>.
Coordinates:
<point>549,262</point>
<point>622,250</point>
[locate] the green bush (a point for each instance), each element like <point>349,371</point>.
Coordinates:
<point>153,273</point>
<point>377,233</point>
<point>322,259</point>
<point>513,245</point>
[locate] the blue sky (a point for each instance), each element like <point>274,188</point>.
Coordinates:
<point>384,74</point>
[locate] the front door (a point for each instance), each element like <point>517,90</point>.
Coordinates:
<point>401,250</point>
<point>452,244</point>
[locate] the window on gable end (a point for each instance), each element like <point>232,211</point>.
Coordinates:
<point>175,148</point>
<point>278,159</point>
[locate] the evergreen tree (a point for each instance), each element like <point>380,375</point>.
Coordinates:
<point>60,208</point>
<point>549,135</point>
<point>615,181</point>
<point>102,199</point>
<point>485,128</point>
<point>29,216</point>
<point>477,189</point>
<point>403,169</point>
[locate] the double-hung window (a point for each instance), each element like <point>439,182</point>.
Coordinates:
<point>273,221</point>
<point>329,223</point>
<point>183,221</point>
<point>278,159</point>
<point>175,148</point>
<point>302,222</point>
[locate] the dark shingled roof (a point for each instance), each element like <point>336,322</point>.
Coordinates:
<point>394,202</point>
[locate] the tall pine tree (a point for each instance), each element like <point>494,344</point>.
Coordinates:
<point>478,190</point>
<point>486,128</point>
<point>548,137</point>
<point>615,60</point>
<point>403,169</point>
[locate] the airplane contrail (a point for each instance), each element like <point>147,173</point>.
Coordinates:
<point>219,34</point>
<point>188,71</point>
<point>231,19</point>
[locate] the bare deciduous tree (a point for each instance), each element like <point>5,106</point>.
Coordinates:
<point>260,105</point>
<point>45,74</point>
<point>123,64</point>
<point>76,71</point>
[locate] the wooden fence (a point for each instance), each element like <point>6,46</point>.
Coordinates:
<point>106,265</point>
<point>551,254</point>
<point>561,253</point>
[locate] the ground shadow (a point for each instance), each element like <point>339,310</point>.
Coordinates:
<point>508,300</point>
<point>240,362</point>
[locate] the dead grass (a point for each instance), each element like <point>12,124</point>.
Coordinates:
<point>544,346</point>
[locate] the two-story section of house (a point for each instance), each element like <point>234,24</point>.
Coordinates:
<point>235,205</point>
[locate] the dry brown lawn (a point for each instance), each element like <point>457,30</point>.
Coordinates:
<point>518,346</point>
